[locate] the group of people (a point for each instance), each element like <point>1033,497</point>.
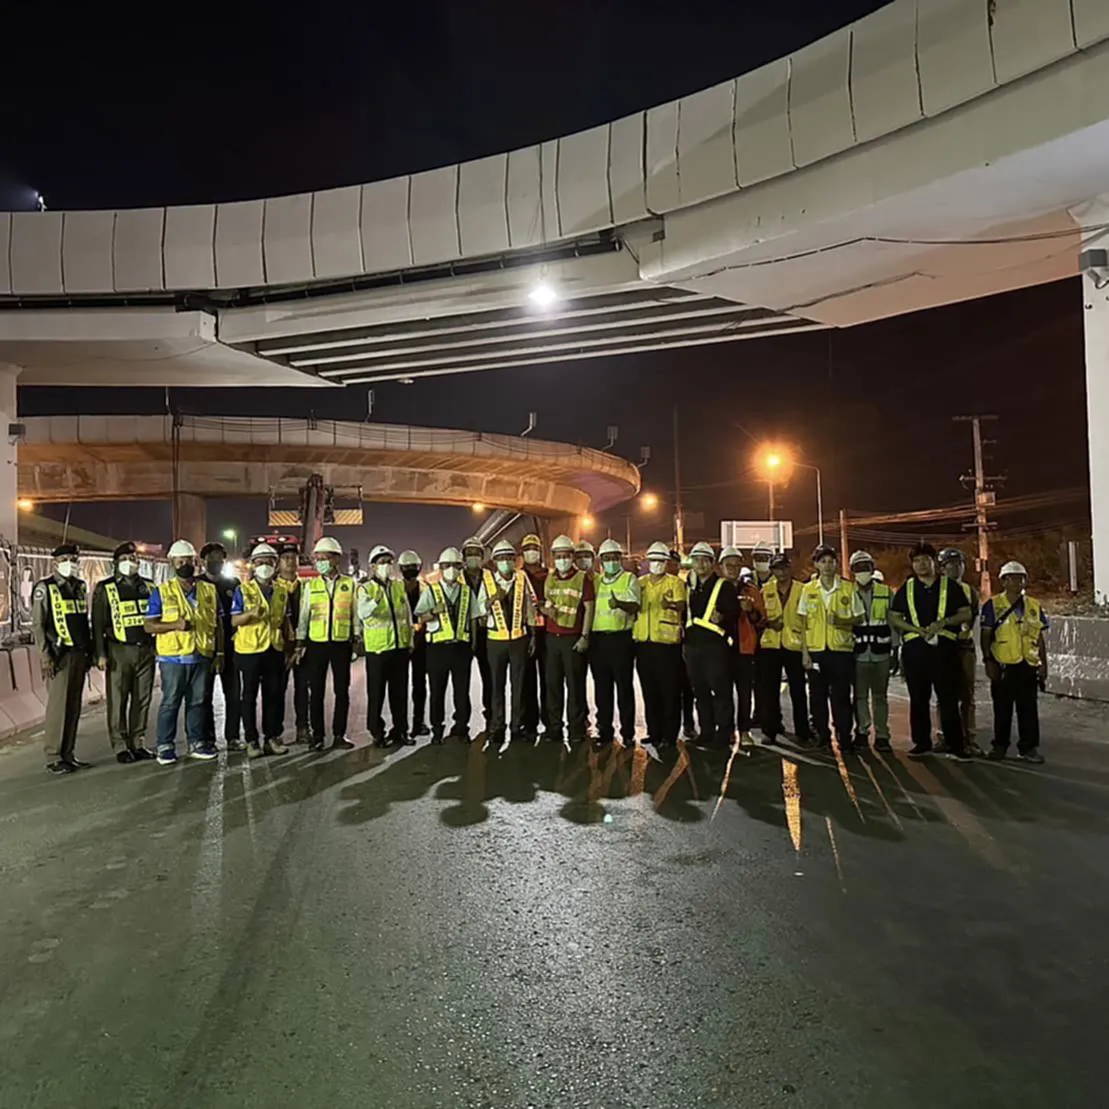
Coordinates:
<point>714,637</point>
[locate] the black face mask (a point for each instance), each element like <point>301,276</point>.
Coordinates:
<point>215,566</point>
<point>410,572</point>
<point>186,570</point>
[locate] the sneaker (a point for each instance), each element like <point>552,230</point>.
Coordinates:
<point>920,752</point>
<point>975,750</point>
<point>236,745</point>
<point>166,756</point>
<point>1032,756</point>
<point>204,754</point>
<point>316,743</point>
<point>303,736</point>
<point>61,767</point>
<point>341,743</point>
<point>420,729</point>
<point>882,745</point>
<point>746,739</point>
<point>253,751</point>
<point>961,755</point>
<point>275,747</point>
<point>142,754</point>
<point>996,753</point>
<point>125,757</point>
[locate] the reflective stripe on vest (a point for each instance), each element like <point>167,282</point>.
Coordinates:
<point>330,615</point>
<point>789,636</point>
<point>1017,639</point>
<point>200,637</point>
<point>61,610</point>
<point>125,614</point>
<point>501,630</point>
<point>965,632</point>
<point>253,639</point>
<point>910,597</point>
<point>655,624</point>
<point>820,633</point>
<point>876,635</point>
<point>566,597</point>
<point>703,621</point>
<point>446,632</point>
<point>390,630</point>
<point>607,619</point>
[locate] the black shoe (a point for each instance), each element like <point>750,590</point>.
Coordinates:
<point>960,755</point>
<point>341,743</point>
<point>142,754</point>
<point>403,741</point>
<point>125,757</point>
<point>437,740</point>
<point>1033,756</point>
<point>918,751</point>
<point>315,744</point>
<point>77,764</point>
<point>381,741</point>
<point>61,767</point>
<point>882,745</point>
<point>420,730</point>
<point>236,745</point>
<point>997,754</point>
<point>303,736</point>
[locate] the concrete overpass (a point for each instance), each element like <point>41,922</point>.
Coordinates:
<point>91,458</point>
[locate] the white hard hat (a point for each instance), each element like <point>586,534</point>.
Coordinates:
<point>610,546</point>
<point>658,550</point>
<point>746,573</point>
<point>182,548</point>
<point>327,545</point>
<point>861,556</point>
<point>729,552</point>
<point>879,576</point>
<point>263,550</point>
<point>584,546</point>
<point>563,543</point>
<point>762,547</point>
<point>504,547</point>
<point>448,554</point>
<point>475,543</point>
<point>702,550</point>
<point>1013,568</point>
<point>379,551</point>
<point>409,558</point>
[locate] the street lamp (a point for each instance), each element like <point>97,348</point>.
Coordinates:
<point>231,535</point>
<point>649,501</point>
<point>25,504</point>
<point>586,522</point>
<point>775,465</point>
<point>477,506</point>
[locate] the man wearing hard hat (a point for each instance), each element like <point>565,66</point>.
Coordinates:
<point>535,688</point>
<point>325,641</point>
<point>743,637</point>
<point>780,650</point>
<point>385,619</point>
<point>443,613</point>
<point>185,619</point>
<point>873,655</point>
<point>612,648</point>
<point>288,576</point>
<point>584,555</point>
<point>1013,626</point>
<point>410,565</point>
<point>506,606</point>
<point>259,615</point>
<point>658,646</point>
<point>473,571</point>
<point>213,567</point>
<point>568,610</point>
<point>952,563</point>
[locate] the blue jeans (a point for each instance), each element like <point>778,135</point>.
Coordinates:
<point>182,682</point>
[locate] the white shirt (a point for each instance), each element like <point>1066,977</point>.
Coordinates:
<point>305,615</point>
<point>426,603</point>
<point>857,606</point>
<point>483,608</point>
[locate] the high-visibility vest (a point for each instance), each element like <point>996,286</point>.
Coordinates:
<point>910,597</point>
<point>655,624</point>
<point>63,610</point>
<point>447,632</point>
<point>502,629</point>
<point>876,635</point>
<point>1017,638</point>
<point>607,619</point>
<point>269,632</point>
<point>330,615</point>
<point>565,595</point>
<point>790,634</point>
<point>126,615</point>
<point>965,633</point>
<point>200,637</point>
<point>703,620</point>
<point>391,629</point>
<point>820,633</point>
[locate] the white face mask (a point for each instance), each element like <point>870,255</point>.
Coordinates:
<point>323,566</point>
<point>585,562</point>
<point>532,557</point>
<point>564,564</point>
<point>128,569</point>
<point>383,570</point>
<point>864,577</point>
<point>657,569</point>
<point>450,573</point>
<point>762,565</point>
<point>473,562</point>
<point>264,572</point>
<point>505,567</point>
<point>66,569</point>
<point>611,569</point>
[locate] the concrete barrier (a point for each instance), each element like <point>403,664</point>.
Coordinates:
<point>8,725</point>
<point>1078,655</point>
<point>38,682</point>
<point>20,701</point>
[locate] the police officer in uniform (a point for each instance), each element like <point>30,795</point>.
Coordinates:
<point>59,615</point>
<point>124,650</point>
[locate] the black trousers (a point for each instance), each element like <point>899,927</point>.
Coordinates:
<point>931,669</point>
<point>506,657</point>
<point>454,663</point>
<point>535,684</point>
<point>1018,687</point>
<point>709,662</point>
<point>686,701</point>
<point>743,679</point>
<point>481,639</point>
<point>263,673</point>
<point>300,696</point>
<point>565,687</point>
<point>831,681</point>
<point>387,676</point>
<point>769,664</point>
<point>318,659</point>
<point>612,661</point>
<point>418,672</point>
<point>661,673</point>
<point>230,683</point>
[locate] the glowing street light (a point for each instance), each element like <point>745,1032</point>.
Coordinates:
<point>25,504</point>
<point>544,295</point>
<point>586,522</point>
<point>649,501</point>
<point>775,464</point>
<point>477,506</point>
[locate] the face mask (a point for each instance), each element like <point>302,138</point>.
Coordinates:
<point>864,577</point>
<point>611,569</point>
<point>128,569</point>
<point>762,565</point>
<point>323,566</point>
<point>532,557</point>
<point>450,573</point>
<point>383,570</point>
<point>585,562</point>
<point>563,564</point>
<point>504,566</point>
<point>263,572</point>
<point>473,562</point>
<point>186,570</point>
<point>657,569</point>
<point>66,569</point>
<point>410,572</point>
<point>215,567</point>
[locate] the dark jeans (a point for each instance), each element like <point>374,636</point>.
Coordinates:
<point>927,669</point>
<point>661,671</point>
<point>769,664</point>
<point>1018,687</point>
<point>263,672</point>
<point>183,684</point>
<point>506,657</point>
<point>318,659</point>
<point>453,663</point>
<point>743,678</point>
<point>831,681</point>
<point>417,665</point>
<point>535,684</point>
<point>709,663</point>
<point>481,638</point>
<point>230,683</point>
<point>686,701</point>
<point>565,672</point>
<point>387,676</point>
<point>612,661</point>
<point>300,696</point>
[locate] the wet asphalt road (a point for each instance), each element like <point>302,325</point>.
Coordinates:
<point>447,927</point>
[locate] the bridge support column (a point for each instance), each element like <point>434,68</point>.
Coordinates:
<point>190,519</point>
<point>9,471</point>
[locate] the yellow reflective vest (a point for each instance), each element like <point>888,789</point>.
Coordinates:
<point>565,595</point>
<point>1016,637</point>
<point>790,634</point>
<point>503,628</point>
<point>655,624</point>
<point>447,632</point>
<point>125,614</point>
<point>389,626</point>
<point>820,633</point>
<point>910,598</point>
<point>269,632</point>
<point>200,637</point>
<point>62,610</point>
<point>606,619</point>
<point>331,615</point>
<point>876,635</point>
<point>703,620</point>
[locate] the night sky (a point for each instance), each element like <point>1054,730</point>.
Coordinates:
<point>112,113</point>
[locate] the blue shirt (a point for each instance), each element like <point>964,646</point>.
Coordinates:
<point>154,612</point>
<point>989,615</point>
<point>238,605</point>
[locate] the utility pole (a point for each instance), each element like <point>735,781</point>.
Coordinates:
<point>679,518</point>
<point>985,498</point>
<point>844,553</point>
